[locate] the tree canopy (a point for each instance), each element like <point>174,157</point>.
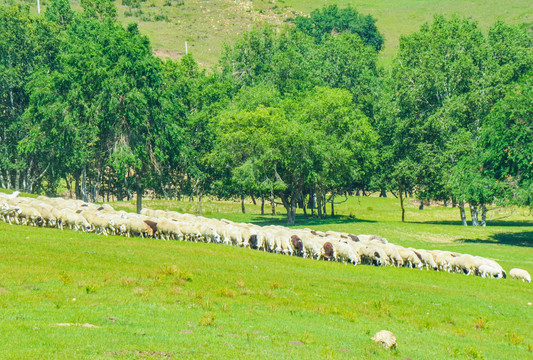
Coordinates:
<point>300,114</point>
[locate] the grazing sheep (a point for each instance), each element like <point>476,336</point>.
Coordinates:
<point>152,225</point>
<point>465,263</point>
<point>99,223</point>
<point>373,255</point>
<point>74,221</point>
<point>329,245</point>
<point>392,253</point>
<point>312,246</point>
<point>426,258</point>
<point>329,251</point>
<point>168,229</point>
<point>520,274</point>
<point>297,245</point>
<point>370,238</point>
<point>7,212</point>
<point>346,253</point>
<point>488,271</point>
<point>13,195</point>
<point>409,258</point>
<point>443,259</point>
<point>138,227</point>
<point>27,215</point>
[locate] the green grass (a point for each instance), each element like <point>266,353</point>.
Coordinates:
<point>207,25</point>
<point>168,299</point>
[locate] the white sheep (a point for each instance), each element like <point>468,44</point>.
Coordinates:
<point>393,254</point>
<point>488,271</point>
<point>520,274</point>
<point>74,220</point>
<point>346,253</point>
<point>465,263</point>
<point>409,258</point>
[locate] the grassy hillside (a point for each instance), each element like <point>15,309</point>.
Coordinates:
<point>144,298</point>
<point>207,24</point>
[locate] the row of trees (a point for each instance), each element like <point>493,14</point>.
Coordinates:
<point>302,114</point>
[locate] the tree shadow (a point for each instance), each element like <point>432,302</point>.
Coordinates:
<point>302,220</point>
<point>489,223</point>
<point>515,239</point>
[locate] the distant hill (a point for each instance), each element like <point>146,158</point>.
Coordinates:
<point>207,24</point>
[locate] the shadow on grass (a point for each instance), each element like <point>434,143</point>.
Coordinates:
<point>489,223</point>
<point>515,239</point>
<point>302,220</point>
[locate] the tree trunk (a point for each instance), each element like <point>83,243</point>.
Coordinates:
<point>242,203</point>
<point>17,179</point>
<point>474,213</point>
<point>272,200</point>
<point>293,211</point>
<point>84,184</point>
<point>401,204</point>
<point>199,208</point>
<point>483,215</point>
<point>253,199</point>
<point>319,206</point>
<point>290,206</point>
<point>262,204</point>
<point>421,207</point>
<point>383,193</point>
<point>69,186</point>
<point>140,192</point>
<point>462,212</point>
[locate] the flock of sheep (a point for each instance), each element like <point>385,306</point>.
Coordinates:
<point>329,245</point>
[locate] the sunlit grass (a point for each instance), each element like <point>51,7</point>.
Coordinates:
<point>207,25</point>
<point>150,298</point>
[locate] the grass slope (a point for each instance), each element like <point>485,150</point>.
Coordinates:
<point>167,299</point>
<point>207,24</point>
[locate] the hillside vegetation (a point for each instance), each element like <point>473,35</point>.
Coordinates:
<point>206,24</point>
<point>67,294</point>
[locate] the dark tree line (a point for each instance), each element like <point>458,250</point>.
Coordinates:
<point>300,115</point>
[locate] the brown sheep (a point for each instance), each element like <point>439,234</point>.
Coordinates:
<point>329,251</point>
<point>297,245</point>
<point>152,225</point>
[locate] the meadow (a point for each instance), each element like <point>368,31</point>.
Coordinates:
<point>206,25</point>
<point>72,295</point>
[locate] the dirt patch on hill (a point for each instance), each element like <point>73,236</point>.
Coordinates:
<point>167,53</point>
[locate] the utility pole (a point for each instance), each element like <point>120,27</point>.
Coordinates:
<point>38,7</point>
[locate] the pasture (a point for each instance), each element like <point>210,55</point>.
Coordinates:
<point>129,298</point>
<point>207,25</point>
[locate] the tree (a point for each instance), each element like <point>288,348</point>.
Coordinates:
<point>506,143</point>
<point>293,63</point>
<point>330,20</point>
<point>445,80</point>
<point>315,143</point>
<point>99,109</point>
<point>26,45</point>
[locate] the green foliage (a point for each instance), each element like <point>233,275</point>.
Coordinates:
<point>506,141</point>
<point>315,143</point>
<point>442,86</point>
<point>330,20</point>
<point>59,12</point>
<point>292,62</point>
